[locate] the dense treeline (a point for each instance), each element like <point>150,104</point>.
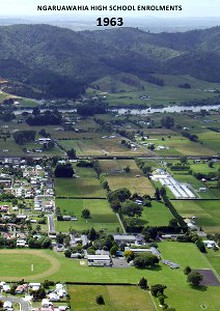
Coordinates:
<point>46,118</point>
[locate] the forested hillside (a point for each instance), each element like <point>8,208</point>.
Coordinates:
<point>58,62</point>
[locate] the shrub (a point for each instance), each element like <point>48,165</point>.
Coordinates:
<point>100,300</point>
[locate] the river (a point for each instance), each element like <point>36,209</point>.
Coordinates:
<point>139,111</point>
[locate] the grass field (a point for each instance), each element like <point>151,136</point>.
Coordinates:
<point>28,264</point>
<point>117,298</point>
<point>211,140</point>
<point>170,93</point>
<point>135,180</point>
<point>102,217</point>
<point>207,213</point>
<point>97,146</point>
<point>204,167</point>
<point>86,185</point>
<point>157,215</point>
<point>178,145</point>
<point>70,270</point>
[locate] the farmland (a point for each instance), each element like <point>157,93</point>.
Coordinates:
<point>115,297</point>
<point>116,151</point>
<point>84,185</point>
<point>206,211</point>
<point>102,217</point>
<point>114,172</point>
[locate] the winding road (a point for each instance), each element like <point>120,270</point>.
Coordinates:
<point>24,306</point>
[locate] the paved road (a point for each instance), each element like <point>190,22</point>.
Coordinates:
<point>51,224</point>
<point>24,306</point>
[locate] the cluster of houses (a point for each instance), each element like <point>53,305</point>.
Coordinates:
<point>56,295</point>
<point>35,181</point>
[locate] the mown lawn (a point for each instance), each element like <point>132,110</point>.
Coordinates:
<point>117,298</point>
<point>179,293</point>
<point>102,216</point>
<point>156,215</point>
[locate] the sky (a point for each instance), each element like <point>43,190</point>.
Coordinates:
<point>191,8</point>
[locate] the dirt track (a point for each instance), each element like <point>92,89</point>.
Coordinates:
<point>55,265</point>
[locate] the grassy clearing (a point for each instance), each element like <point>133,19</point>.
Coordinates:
<point>116,298</point>
<point>204,167</point>
<point>102,217</point>
<point>86,185</point>
<point>135,180</point>
<point>207,213</point>
<point>9,147</point>
<point>214,259</point>
<point>157,215</point>
<point>211,140</point>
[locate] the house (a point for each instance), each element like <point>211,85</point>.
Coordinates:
<point>210,243</point>
<point>4,208</point>
<point>6,288</point>
<point>21,289</point>
<point>99,261</point>
<point>67,217</point>
<point>7,305</point>
<point>21,243</point>
<point>128,239</point>
<point>202,189</point>
<point>53,297</point>
<point>45,303</point>
<point>34,286</point>
<point>124,238</point>
<point>44,140</point>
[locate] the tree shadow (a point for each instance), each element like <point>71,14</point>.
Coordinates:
<point>201,288</point>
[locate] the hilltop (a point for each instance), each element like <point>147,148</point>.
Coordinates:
<point>57,62</point>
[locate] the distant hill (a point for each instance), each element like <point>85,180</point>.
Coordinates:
<point>59,62</point>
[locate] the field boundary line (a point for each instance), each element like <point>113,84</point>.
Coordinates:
<point>121,223</point>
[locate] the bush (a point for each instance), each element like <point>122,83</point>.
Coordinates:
<point>187,270</point>
<point>100,300</point>
<point>143,283</point>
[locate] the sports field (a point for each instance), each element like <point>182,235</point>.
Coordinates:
<point>27,264</point>
<point>59,268</point>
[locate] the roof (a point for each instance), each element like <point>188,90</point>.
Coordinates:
<point>98,257</point>
<point>124,237</point>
